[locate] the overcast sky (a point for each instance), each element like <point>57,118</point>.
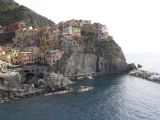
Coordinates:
<point>134,24</point>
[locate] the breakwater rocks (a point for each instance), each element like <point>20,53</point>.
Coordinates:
<point>151,76</point>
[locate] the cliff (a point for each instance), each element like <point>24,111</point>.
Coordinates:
<point>103,57</point>
<point>11,12</point>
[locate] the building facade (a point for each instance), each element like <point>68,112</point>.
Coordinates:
<point>84,22</point>
<point>27,58</point>
<point>71,43</point>
<point>53,56</point>
<point>15,56</point>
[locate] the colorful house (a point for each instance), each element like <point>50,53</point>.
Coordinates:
<point>72,27</point>
<point>102,32</point>
<point>15,56</point>
<point>34,50</point>
<point>60,28</point>
<point>15,26</point>
<point>73,30</point>
<point>84,22</point>
<point>76,30</point>
<point>72,43</point>
<point>47,36</point>
<point>53,56</point>
<point>5,56</point>
<point>25,33</point>
<point>27,58</point>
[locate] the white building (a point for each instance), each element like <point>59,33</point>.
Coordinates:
<point>84,22</point>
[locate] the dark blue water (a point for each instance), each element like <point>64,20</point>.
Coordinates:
<point>115,97</point>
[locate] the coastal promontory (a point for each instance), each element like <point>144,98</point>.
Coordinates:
<point>39,56</point>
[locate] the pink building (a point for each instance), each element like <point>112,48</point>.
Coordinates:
<point>53,56</point>
<point>14,26</point>
<point>27,58</point>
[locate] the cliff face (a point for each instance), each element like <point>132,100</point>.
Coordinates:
<point>105,57</point>
<point>11,12</point>
<point>80,63</point>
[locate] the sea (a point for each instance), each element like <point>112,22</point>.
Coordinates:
<point>114,97</point>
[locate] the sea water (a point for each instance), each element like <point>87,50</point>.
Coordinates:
<point>114,97</point>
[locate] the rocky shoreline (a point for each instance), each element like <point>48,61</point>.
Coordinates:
<point>12,88</point>
<point>151,76</point>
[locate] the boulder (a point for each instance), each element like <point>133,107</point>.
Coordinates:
<point>140,66</point>
<point>146,75</point>
<point>40,83</point>
<point>131,67</point>
<point>57,82</point>
<point>11,79</point>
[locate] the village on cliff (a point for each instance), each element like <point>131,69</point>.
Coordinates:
<point>28,58</point>
<point>38,48</point>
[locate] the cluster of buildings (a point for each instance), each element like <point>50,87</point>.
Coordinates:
<point>47,45</point>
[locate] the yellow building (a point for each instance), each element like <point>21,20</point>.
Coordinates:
<point>5,57</point>
<point>15,52</point>
<point>15,56</point>
<point>73,30</point>
<point>76,31</point>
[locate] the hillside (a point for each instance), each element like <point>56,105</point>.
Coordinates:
<point>11,12</point>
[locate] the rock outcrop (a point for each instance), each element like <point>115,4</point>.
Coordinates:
<point>56,82</point>
<point>86,63</point>
<point>11,87</point>
<point>80,63</point>
<point>146,75</point>
<point>11,79</point>
<point>104,57</point>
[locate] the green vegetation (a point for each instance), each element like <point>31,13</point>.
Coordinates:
<point>89,42</point>
<point>6,37</point>
<point>109,49</point>
<point>12,12</point>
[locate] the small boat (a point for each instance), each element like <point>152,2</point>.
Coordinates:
<point>90,77</point>
<point>84,89</point>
